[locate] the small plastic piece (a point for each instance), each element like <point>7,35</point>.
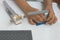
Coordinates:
<point>40,23</point>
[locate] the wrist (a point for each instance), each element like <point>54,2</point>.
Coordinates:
<point>31,9</point>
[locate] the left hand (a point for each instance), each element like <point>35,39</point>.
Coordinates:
<point>51,17</point>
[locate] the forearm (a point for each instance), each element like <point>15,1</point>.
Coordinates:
<point>48,2</point>
<point>23,5</point>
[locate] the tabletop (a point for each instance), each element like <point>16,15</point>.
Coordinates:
<point>41,30</point>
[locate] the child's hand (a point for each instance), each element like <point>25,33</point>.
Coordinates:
<point>37,18</point>
<point>51,17</point>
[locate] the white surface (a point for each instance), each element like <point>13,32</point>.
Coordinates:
<point>42,32</point>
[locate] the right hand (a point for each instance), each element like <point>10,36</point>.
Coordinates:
<point>38,18</point>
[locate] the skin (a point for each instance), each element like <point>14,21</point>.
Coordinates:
<point>39,17</point>
<point>57,1</point>
<point>51,17</point>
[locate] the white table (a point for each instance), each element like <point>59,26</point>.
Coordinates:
<point>42,32</point>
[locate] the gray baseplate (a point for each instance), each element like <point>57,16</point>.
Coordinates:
<point>15,35</point>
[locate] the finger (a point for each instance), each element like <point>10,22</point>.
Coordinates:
<point>49,17</point>
<point>31,22</point>
<point>39,18</point>
<point>51,20</point>
<point>35,19</point>
<point>55,20</point>
<point>43,17</point>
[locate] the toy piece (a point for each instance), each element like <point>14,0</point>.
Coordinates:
<point>13,11</point>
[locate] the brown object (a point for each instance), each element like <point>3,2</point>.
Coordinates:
<point>57,1</point>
